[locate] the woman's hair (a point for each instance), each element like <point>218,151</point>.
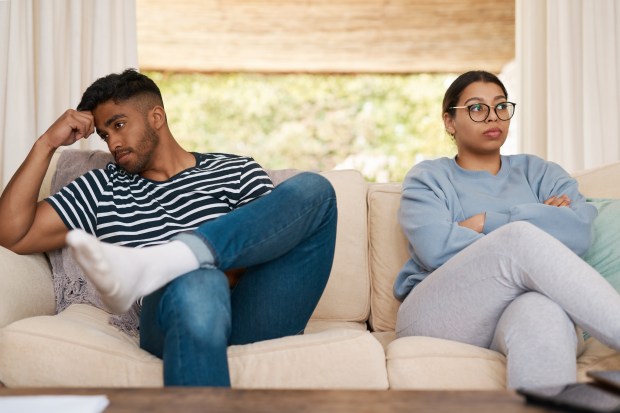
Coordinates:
<point>120,87</point>
<point>453,94</point>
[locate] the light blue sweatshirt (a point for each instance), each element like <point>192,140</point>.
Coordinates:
<point>438,194</point>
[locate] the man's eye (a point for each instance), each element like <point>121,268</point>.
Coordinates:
<point>475,108</point>
<point>103,137</point>
<point>119,125</point>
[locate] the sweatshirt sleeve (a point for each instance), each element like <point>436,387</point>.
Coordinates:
<point>571,225</point>
<point>427,220</point>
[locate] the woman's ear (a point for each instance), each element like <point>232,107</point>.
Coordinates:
<point>157,117</point>
<point>448,122</point>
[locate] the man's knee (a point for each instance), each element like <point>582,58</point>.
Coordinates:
<point>310,184</point>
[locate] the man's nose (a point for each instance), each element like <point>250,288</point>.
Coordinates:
<point>113,142</point>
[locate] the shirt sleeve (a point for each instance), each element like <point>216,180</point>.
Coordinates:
<point>253,182</point>
<point>571,225</point>
<point>427,220</point>
<point>76,203</point>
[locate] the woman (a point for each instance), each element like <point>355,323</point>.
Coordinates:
<point>495,243</point>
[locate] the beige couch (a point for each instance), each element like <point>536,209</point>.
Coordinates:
<point>349,343</point>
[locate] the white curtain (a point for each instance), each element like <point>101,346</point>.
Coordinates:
<point>50,51</point>
<point>568,66</point>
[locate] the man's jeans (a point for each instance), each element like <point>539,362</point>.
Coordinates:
<point>285,241</point>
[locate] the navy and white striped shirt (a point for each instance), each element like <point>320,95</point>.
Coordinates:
<point>127,209</point>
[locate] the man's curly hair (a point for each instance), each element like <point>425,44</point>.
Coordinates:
<point>120,87</point>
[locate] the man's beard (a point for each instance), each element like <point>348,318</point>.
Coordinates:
<point>143,151</point>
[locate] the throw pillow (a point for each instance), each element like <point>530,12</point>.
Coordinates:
<point>604,253</point>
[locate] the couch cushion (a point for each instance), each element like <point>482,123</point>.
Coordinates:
<point>601,182</point>
<point>26,286</point>
<point>388,253</point>
<point>425,363</point>
<point>388,246</point>
<point>316,326</point>
<point>79,348</point>
<point>596,356</point>
<point>332,359</point>
<point>347,295</point>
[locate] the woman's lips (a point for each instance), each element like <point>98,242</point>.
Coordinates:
<point>493,133</point>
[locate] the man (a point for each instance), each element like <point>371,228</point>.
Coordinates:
<point>197,220</point>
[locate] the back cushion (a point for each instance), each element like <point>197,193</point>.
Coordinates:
<point>388,253</point>
<point>600,182</point>
<point>388,246</point>
<point>347,296</point>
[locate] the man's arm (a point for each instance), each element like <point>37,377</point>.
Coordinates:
<point>27,225</point>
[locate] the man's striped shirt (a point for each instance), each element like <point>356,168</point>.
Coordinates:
<point>126,209</point>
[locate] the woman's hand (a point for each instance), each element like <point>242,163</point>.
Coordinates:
<point>558,201</point>
<point>475,222</point>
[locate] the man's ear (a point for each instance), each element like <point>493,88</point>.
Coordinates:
<point>157,117</point>
<point>448,122</point>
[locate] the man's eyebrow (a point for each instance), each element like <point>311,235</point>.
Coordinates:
<point>113,118</point>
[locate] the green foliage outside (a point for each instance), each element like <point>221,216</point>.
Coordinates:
<point>378,124</point>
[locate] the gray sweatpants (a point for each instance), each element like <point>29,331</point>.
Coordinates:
<point>519,291</point>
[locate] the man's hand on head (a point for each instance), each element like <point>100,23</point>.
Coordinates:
<point>28,225</point>
<point>70,127</point>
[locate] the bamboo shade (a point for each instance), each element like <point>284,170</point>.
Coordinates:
<point>325,36</point>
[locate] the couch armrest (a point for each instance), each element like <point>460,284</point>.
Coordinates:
<point>26,287</point>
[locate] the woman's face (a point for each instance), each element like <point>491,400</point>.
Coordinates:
<point>478,138</point>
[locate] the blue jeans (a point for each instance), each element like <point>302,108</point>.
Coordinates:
<point>285,241</point>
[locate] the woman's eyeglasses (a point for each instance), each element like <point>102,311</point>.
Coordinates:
<point>479,112</point>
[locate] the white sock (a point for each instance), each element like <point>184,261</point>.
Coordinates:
<point>123,274</point>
